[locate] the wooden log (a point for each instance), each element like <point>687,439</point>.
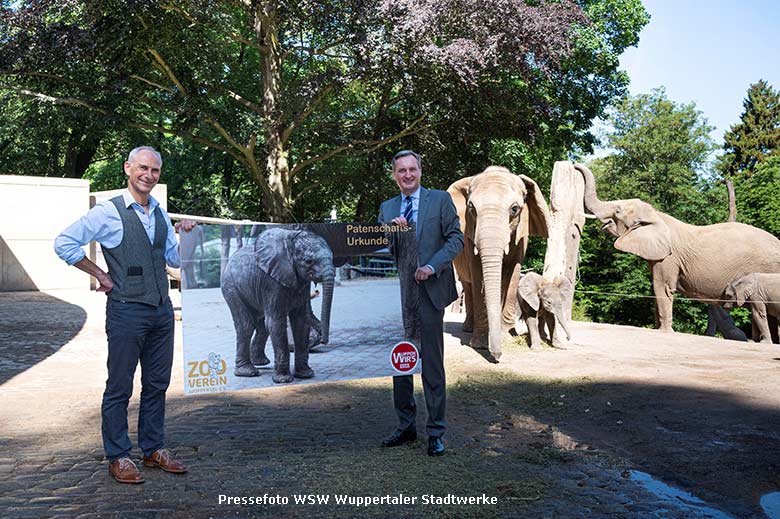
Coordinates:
<point>567,193</point>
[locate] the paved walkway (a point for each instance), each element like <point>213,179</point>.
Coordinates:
<point>273,444</point>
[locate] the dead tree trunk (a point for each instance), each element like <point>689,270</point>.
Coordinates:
<point>732,201</point>
<point>567,220</point>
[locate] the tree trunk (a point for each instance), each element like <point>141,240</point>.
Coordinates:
<point>80,150</point>
<point>732,201</point>
<point>276,169</point>
<point>566,224</point>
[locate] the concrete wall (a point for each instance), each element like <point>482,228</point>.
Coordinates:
<point>33,211</point>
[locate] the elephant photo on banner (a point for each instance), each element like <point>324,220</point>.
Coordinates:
<point>697,261</point>
<point>280,290</point>
<point>269,282</point>
<point>498,211</point>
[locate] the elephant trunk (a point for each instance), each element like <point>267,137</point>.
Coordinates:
<point>559,315</point>
<point>602,210</point>
<point>327,301</point>
<point>492,259</point>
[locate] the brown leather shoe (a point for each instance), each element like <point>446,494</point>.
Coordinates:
<point>163,459</point>
<point>125,471</point>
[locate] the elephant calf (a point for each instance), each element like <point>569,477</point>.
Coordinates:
<point>762,293</point>
<point>541,303</point>
<point>270,282</point>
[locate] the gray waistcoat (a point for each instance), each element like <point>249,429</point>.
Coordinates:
<point>136,266</point>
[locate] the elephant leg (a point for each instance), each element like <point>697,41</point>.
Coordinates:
<point>313,327</point>
<point>664,283</point>
<point>542,326</point>
<point>188,275</point>
<point>468,322</point>
<point>532,322</point>
<point>758,311</point>
<point>554,329</point>
<point>276,324</point>
<point>721,320</point>
<point>299,322</point>
<point>712,327</point>
<point>257,348</point>
<point>755,333</point>
<point>510,277</point>
<point>242,320</point>
<point>773,331</point>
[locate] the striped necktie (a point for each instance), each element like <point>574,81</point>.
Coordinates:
<point>409,211</point>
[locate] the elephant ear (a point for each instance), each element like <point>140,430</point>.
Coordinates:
<point>535,220</point>
<point>566,287</point>
<point>651,239</point>
<point>744,288</point>
<point>459,191</point>
<point>528,289</point>
<point>273,251</point>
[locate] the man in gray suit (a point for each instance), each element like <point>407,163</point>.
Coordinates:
<point>438,241</point>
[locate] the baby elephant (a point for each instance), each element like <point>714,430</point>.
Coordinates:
<point>541,303</point>
<point>265,285</point>
<point>762,292</point>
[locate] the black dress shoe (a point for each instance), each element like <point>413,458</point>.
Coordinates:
<point>435,446</point>
<point>400,437</point>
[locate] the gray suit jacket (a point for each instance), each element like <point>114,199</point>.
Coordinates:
<point>439,240</point>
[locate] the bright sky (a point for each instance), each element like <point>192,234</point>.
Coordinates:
<point>708,52</point>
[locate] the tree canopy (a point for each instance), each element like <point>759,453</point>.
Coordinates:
<point>298,102</point>
<point>751,158</point>
<point>756,136</point>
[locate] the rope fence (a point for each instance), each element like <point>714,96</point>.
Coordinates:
<point>676,297</point>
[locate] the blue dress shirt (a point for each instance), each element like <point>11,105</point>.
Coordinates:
<point>103,225</point>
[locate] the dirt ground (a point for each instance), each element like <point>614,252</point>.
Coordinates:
<point>700,413</point>
<point>556,433</point>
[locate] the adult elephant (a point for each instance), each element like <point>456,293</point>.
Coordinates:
<point>498,211</point>
<point>265,284</point>
<point>696,261</point>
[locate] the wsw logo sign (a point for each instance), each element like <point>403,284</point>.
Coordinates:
<point>404,357</point>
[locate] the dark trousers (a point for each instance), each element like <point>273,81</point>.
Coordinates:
<point>434,384</point>
<point>136,332</point>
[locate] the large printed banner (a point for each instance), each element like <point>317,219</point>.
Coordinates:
<point>267,305</point>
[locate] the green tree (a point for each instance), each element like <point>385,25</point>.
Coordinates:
<point>757,197</point>
<point>295,92</point>
<point>659,154</point>
<point>752,148</point>
<point>756,136</point>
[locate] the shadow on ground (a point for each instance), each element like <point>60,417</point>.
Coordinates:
<point>40,325</point>
<point>543,447</point>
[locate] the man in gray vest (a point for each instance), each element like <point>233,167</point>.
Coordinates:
<point>137,240</point>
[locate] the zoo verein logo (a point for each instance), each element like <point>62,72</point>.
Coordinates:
<point>207,376</point>
<point>404,357</point>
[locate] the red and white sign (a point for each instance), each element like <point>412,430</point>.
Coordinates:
<point>404,357</point>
